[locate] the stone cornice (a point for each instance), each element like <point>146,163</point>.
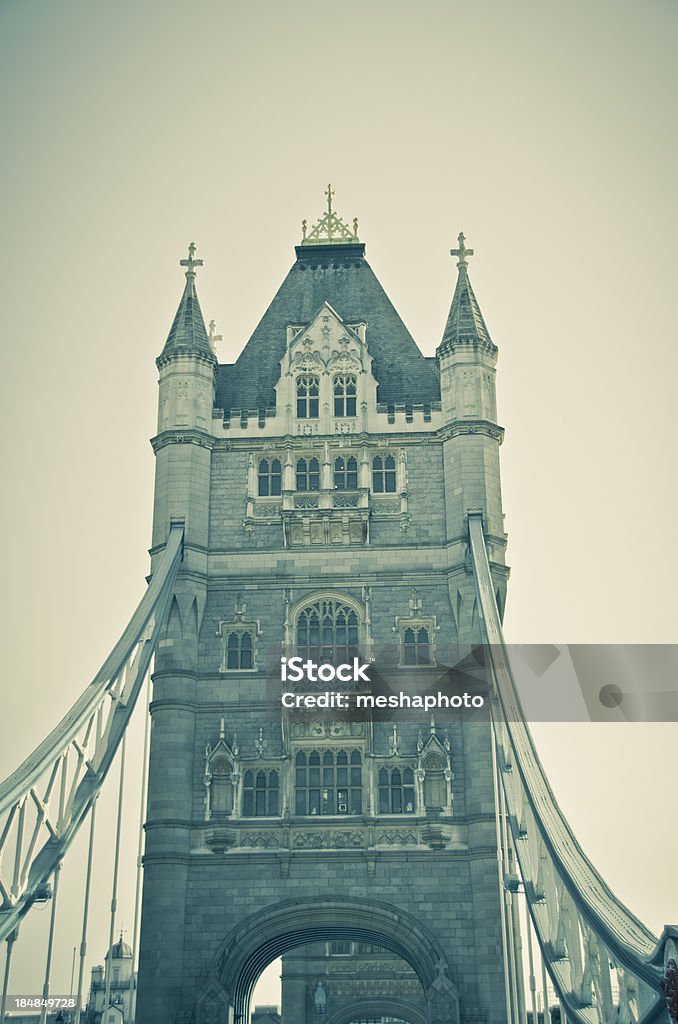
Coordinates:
<point>191,435</point>
<point>458,427</point>
<point>188,436</point>
<point>295,442</point>
<point>186,352</point>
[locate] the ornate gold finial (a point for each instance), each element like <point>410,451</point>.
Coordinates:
<point>330,229</point>
<point>191,263</point>
<point>462,252</point>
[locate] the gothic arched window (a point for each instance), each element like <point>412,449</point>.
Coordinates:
<point>345,474</point>
<point>345,392</point>
<point>260,794</point>
<point>328,782</point>
<point>308,396</point>
<point>239,651</point>
<point>396,791</point>
<point>270,477</point>
<point>327,631</point>
<point>384,474</point>
<point>416,646</point>
<point>308,475</point>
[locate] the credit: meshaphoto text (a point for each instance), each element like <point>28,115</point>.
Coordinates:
<point>364,701</point>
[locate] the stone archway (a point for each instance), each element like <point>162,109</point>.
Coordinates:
<point>266,935</point>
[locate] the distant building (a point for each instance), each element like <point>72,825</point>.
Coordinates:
<point>351,983</point>
<point>266,1015</point>
<point>122,991</point>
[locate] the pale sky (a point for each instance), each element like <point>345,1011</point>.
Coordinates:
<point>545,131</point>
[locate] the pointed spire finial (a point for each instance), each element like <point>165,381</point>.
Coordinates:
<point>462,252</point>
<point>191,263</point>
<point>330,196</point>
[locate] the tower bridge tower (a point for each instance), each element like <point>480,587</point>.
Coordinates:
<point>324,480</point>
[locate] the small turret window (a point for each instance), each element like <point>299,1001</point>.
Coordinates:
<point>239,651</point>
<point>308,475</point>
<point>308,396</point>
<point>345,392</point>
<point>383,474</point>
<point>270,477</point>
<point>345,474</point>
<point>416,647</point>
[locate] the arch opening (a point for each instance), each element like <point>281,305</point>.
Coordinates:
<point>272,932</point>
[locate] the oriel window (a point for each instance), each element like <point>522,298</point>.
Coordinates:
<point>328,782</point>
<point>308,397</point>
<point>345,392</point>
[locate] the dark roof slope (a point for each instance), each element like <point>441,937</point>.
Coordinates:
<point>340,275</point>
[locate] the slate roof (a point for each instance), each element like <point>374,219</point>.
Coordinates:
<point>188,333</point>
<point>340,275</point>
<point>465,323</point>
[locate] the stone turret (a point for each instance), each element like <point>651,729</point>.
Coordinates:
<point>471,436</point>
<point>187,378</point>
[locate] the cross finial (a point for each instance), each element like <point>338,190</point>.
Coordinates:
<point>191,263</point>
<point>330,196</point>
<point>462,252</point>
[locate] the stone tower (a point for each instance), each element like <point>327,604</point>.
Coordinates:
<point>324,480</point>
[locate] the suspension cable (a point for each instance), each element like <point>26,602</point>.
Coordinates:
<point>545,985</point>
<point>500,872</point>
<point>507,906</point>
<point>85,912</point>
<point>116,862</point>
<point>11,939</point>
<point>50,945</point>
<point>140,849</point>
<point>517,936</point>
<point>530,960</point>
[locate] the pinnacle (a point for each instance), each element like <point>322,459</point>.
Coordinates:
<point>188,333</point>
<point>465,323</point>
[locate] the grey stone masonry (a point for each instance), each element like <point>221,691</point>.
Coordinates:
<point>333,523</point>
